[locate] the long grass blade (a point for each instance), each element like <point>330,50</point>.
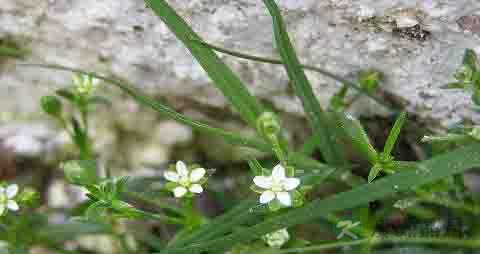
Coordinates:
<point>222,76</point>
<point>144,100</point>
<point>441,166</point>
<point>319,120</point>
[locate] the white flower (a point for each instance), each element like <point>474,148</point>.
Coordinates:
<point>188,181</point>
<point>85,84</point>
<point>6,198</point>
<point>277,186</point>
<point>277,239</point>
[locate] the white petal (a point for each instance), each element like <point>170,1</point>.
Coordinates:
<point>2,209</point>
<point>12,205</point>
<point>196,188</point>
<point>291,183</point>
<point>2,190</point>
<point>284,198</point>
<point>267,196</point>
<point>197,174</point>
<point>11,191</point>
<point>179,192</point>
<point>182,169</point>
<point>278,172</point>
<point>171,176</point>
<point>263,182</point>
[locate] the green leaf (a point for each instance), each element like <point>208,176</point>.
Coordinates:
<point>255,166</point>
<point>319,120</point>
<point>470,59</point>
<point>66,94</point>
<point>374,171</point>
<point>147,101</point>
<point>12,52</point>
<point>393,135</point>
<point>441,166</point>
<point>221,75</point>
<point>357,135</point>
<point>80,172</point>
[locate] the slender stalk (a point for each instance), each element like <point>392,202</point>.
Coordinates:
<point>304,66</point>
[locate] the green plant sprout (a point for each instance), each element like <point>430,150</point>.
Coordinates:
<point>269,222</point>
<point>468,76</point>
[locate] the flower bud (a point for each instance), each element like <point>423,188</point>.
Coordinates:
<point>268,124</point>
<point>51,105</point>
<point>277,239</point>
<point>80,172</point>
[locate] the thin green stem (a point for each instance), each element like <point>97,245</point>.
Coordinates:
<point>304,66</point>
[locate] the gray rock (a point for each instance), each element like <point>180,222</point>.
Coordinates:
<point>124,38</point>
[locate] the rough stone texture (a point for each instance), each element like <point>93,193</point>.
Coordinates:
<point>125,38</point>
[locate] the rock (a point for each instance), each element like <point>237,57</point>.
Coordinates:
<point>125,38</point>
<point>37,140</point>
<point>169,133</point>
<point>61,194</point>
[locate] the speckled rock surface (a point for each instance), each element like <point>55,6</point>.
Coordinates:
<point>125,38</point>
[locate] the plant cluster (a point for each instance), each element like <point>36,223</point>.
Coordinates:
<point>286,193</point>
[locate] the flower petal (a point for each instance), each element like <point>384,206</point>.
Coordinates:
<point>196,188</point>
<point>11,191</point>
<point>179,192</point>
<point>182,169</point>
<point>263,181</point>
<point>12,205</point>
<point>197,174</point>
<point>2,209</point>
<point>290,183</point>
<point>284,198</point>
<point>171,176</point>
<point>278,172</point>
<point>2,190</point>
<point>267,196</point>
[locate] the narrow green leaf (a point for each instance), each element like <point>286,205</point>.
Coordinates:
<point>470,59</point>
<point>221,75</point>
<point>144,100</point>
<point>374,171</point>
<point>12,52</point>
<point>357,135</point>
<point>255,167</point>
<point>311,144</point>
<point>319,121</point>
<point>393,135</point>
<point>441,166</point>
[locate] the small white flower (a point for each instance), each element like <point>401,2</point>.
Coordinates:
<point>277,186</point>
<point>188,181</point>
<point>277,239</point>
<point>6,198</point>
<point>85,84</point>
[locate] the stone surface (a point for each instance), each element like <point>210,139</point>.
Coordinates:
<point>125,38</point>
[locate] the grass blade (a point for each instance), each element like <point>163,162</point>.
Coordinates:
<point>319,120</point>
<point>438,167</point>
<point>393,135</point>
<point>144,100</point>
<point>357,135</point>
<point>221,75</point>
<point>12,52</point>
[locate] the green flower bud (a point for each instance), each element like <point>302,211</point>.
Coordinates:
<point>464,74</point>
<point>475,133</point>
<point>369,80</point>
<point>268,124</point>
<point>80,172</point>
<point>51,105</point>
<point>476,96</point>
